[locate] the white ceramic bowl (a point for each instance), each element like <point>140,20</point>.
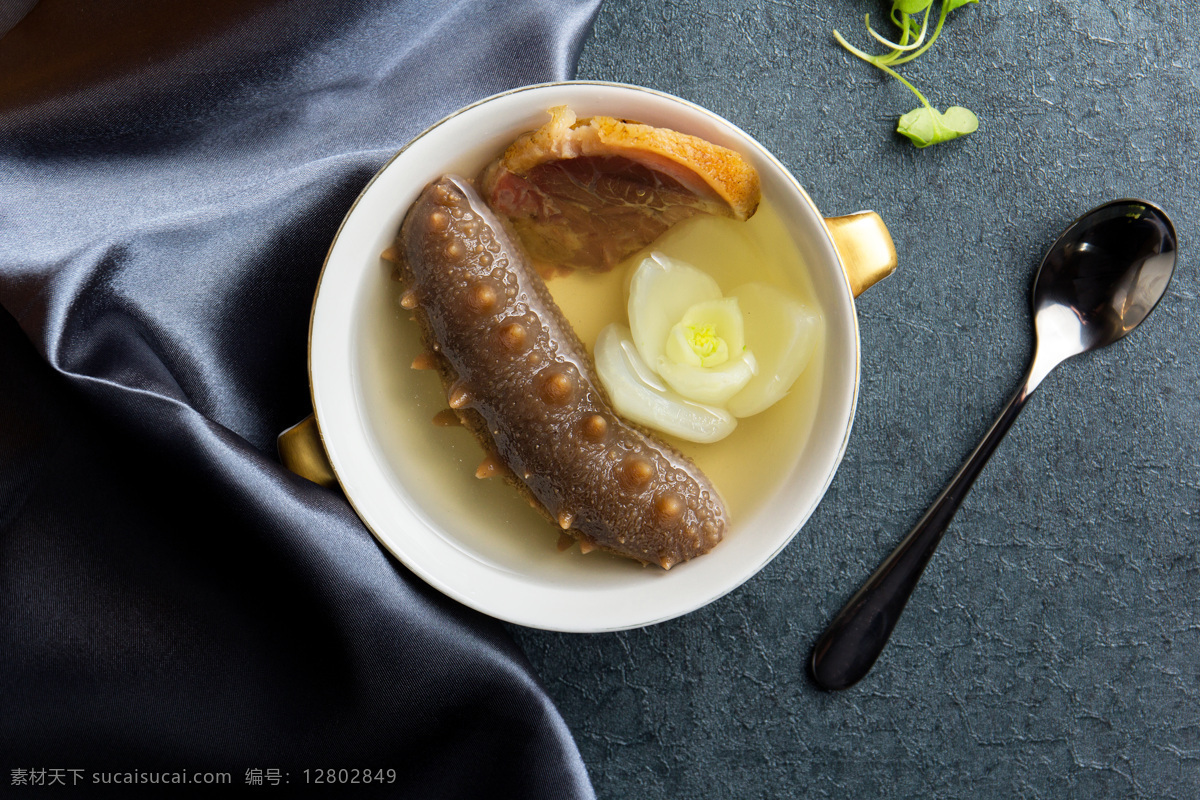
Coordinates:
<point>412,483</point>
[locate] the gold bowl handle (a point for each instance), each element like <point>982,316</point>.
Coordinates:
<point>868,254</point>
<point>301,451</point>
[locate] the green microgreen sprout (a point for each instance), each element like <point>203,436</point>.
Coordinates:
<point>924,125</point>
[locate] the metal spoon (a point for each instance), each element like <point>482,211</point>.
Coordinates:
<point>1101,278</point>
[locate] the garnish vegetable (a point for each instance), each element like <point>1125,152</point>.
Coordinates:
<point>924,125</point>
<point>694,360</point>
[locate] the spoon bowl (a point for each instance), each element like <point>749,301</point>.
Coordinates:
<point>1103,276</point>
<point>1099,281</point>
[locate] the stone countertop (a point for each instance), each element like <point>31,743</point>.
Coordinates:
<point>1053,646</point>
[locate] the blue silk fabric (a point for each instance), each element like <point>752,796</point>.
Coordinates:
<point>171,598</point>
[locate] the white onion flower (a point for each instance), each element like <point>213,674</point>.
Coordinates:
<point>694,360</point>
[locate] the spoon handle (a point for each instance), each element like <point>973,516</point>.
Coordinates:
<point>847,650</point>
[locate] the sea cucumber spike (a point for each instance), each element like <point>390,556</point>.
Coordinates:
<point>490,467</point>
<point>408,300</point>
<point>565,519</point>
<point>458,396</point>
<point>557,388</point>
<point>425,360</point>
<point>454,249</point>
<point>565,540</point>
<point>635,472</point>
<point>438,221</point>
<point>667,562</point>
<point>513,337</point>
<point>391,255</point>
<point>668,507</point>
<point>446,418</point>
<point>595,428</point>
<point>586,546</point>
<point>482,298</point>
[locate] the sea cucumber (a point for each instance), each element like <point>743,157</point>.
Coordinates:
<point>521,381</point>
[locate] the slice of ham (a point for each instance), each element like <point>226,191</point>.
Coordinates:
<point>589,193</point>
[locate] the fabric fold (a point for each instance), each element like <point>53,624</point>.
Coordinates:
<point>172,598</point>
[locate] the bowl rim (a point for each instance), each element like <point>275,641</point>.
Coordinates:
<point>453,591</point>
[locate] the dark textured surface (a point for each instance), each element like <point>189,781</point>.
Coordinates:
<point>1053,648</point>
